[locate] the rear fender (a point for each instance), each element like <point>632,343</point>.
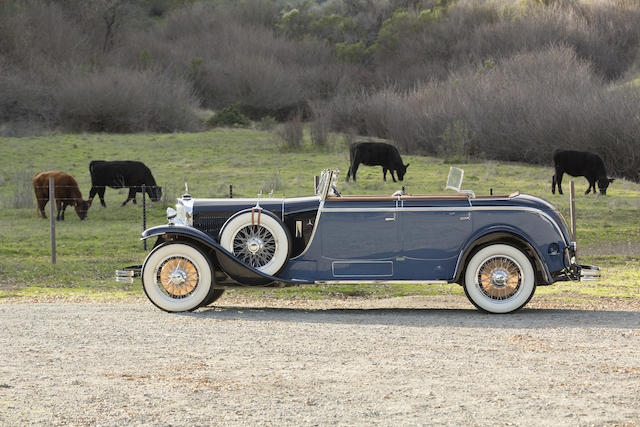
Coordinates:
<point>508,236</point>
<point>233,267</point>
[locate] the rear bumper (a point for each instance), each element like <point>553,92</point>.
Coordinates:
<point>588,273</point>
<point>580,273</point>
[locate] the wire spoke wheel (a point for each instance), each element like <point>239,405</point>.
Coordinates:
<point>177,277</point>
<point>499,278</point>
<point>254,245</point>
<point>258,240</point>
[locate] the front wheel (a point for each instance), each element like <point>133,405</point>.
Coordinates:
<point>214,296</point>
<point>177,277</point>
<point>499,279</point>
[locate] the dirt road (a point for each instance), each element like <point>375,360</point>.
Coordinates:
<point>109,364</point>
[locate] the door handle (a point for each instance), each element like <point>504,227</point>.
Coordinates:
<point>465,218</point>
<point>393,218</point>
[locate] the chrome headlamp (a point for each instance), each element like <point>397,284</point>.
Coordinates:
<point>183,213</point>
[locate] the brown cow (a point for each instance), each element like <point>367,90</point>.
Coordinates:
<point>65,190</point>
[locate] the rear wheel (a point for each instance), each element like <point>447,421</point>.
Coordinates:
<point>499,279</point>
<point>177,277</point>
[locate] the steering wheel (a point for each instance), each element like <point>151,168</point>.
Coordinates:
<point>335,191</point>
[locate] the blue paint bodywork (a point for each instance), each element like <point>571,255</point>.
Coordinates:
<point>387,238</point>
<point>423,240</point>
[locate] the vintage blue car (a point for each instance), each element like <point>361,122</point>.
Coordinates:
<point>499,248</point>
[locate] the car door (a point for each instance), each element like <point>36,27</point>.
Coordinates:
<point>360,237</point>
<point>432,233</point>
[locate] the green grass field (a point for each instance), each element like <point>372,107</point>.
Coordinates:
<point>253,161</point>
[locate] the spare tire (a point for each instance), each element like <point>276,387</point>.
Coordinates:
<point>257,238</point>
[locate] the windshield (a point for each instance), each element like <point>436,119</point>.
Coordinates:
<point>454,181</point>
<point>324,176</point>
<point>326,183</point>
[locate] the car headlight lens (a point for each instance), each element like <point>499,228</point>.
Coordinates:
<point>171,215</point>
<point>183,213</point>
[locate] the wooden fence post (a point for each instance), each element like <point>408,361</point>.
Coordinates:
<point>144,215</point>
<point>572,210</point>
<point>52,219</point>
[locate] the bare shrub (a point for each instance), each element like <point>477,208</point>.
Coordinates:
<point>520,109</point>
<point>117,100</point>
<point>291,132</point>
<point>320,126</point>
<point>23,195</point>
<point>605,33</point>
<point>40,36</point>
<point>346,111</point>
<point>25,98</point>
<point>239,62</point>
<point>267,123</point>
<point>456,142</point>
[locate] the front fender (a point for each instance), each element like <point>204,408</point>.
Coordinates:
<point>226,261</point>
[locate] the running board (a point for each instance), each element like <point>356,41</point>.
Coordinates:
<point>381,282</point>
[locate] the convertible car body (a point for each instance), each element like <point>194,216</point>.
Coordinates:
<point>499,248</point>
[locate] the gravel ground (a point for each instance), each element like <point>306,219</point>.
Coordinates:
<point>398,361</point>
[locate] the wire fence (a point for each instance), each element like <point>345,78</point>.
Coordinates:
<point>20,193</point>
<point>25,195</point>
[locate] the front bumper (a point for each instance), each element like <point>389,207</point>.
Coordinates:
<point>127,274</point>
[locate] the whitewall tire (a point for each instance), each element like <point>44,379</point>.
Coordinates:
<point>260,241</point>
<point>499,278</point>
<point>177,277</point>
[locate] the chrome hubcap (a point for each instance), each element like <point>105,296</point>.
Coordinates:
<point>177,277</point>
<point>499,277</point>
<point>254,245</point>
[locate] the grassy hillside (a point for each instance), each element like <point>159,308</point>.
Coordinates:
<point>90,251</point>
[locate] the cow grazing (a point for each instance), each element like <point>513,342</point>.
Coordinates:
<point>122,174</point>
<point>580,163</point>
<point>376,154</point>
<point>65,191</point>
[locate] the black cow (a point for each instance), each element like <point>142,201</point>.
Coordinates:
<point>122,174</point>
<point>580,163</point>
<point>376,154</point>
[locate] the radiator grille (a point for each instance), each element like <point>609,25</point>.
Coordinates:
<point>210,224</point>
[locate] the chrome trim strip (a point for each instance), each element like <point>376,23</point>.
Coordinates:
<point>434,209</point>
<point>359,210</point>
<point>380,282</point>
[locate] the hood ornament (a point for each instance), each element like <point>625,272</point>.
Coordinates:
<point>186,194</point>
